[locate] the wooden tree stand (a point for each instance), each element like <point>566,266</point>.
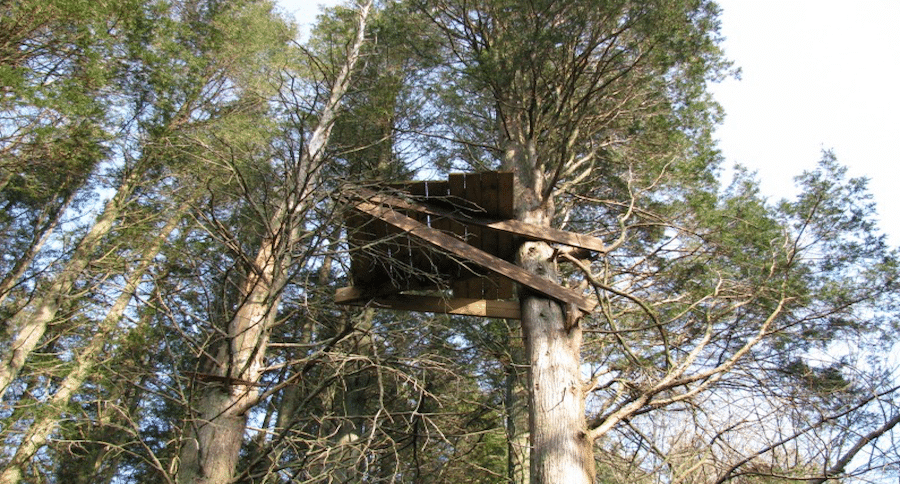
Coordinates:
<point>457,238</point>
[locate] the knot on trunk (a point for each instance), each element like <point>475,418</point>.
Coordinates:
<point>537,258</point>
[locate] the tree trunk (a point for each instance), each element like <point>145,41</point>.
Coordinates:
<point>45,226</point>
<point>29,325</point>
<point>211,450</point>
<point>356,388</point>
<point>45,423</point>
<point>560,448</point>
<point>515,403</point>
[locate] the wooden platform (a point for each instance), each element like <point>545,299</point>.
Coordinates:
<point>457,236</point>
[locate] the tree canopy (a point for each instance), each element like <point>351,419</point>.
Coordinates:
<point>173,229</point>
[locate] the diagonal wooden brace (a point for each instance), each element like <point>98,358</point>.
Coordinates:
<point>515,227</point>
<point>490,262</point>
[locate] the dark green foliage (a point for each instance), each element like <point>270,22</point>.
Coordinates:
<point>759,333</point>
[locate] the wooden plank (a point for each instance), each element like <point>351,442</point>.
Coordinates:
<point>420,257</point>
<point>479,257</point>
<point>346,295</point>
<point>375,251</point>
<point>514,227</point>
<point>506,205</point>
<point>547,234</point>
<point>389,249</point>
<point>474,233</point>
<point>458,190</point>
<point>506,242</point>
<point>498,287</point>
<point>435,304</point>
<point>438,189</point>
<point>507,245</point>
<point>491,202</point>
<point>359,233</point>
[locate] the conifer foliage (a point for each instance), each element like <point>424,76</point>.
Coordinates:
<point>173,232</point>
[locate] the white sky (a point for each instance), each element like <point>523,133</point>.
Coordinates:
<point>816,74</point>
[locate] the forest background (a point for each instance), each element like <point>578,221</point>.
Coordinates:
<point>175,179</point>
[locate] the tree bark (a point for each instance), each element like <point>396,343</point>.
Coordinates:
<point>29,325</point>
<point>211,450</point>
<point>561,447</point>
<point>515,403</point>
<point>45,423</point>
<point>561,450</point>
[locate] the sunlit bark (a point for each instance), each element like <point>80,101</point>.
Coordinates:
<point>211,450</point>
<point>40,430</point>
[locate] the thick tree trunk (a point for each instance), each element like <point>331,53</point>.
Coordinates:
<point>560,448</point>
<point>211,451</point>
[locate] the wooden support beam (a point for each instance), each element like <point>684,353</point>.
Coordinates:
<point>515,227</point>
<point>434,304</point>
<point>351,294</point>
<point>492,263</point>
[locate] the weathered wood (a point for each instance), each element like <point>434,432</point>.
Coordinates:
<point>479,257</point>
<point>460,284</point>
<point>475,208</point>
<point>506,199</point>
<point>438,189</point>
<point>490,202</point>
<point>441,190</point>
<point>475,234</point>
<point>355,295</point>
<point>502,207</point>
<point>506,242</point>
<point>347,295</point>
<point>435,304</point>
<point>359,234</point>
<point>419,259</point>
<point>514,227</point>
